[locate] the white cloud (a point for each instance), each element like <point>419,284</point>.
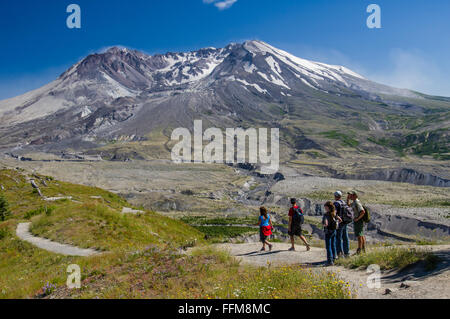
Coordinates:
<point>413,70</point>
<point>407,69</point>
<point>221,4</point>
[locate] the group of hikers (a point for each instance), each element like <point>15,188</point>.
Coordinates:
<point>337,216</point>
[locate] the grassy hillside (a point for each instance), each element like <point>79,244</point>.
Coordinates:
<point>141,255</point>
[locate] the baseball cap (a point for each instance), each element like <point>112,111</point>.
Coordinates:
<point>353,193</point>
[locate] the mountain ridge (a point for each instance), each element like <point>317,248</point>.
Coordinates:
<point>125,95</point>
<point>160,69</point>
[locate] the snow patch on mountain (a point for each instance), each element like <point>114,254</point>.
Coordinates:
<point>114,89</point>
<point>315,70</point>
<point>250,68</point>
<point>85,112</point>
<point>278,79</point>
<point>256,86</point>
<point>110,79</point>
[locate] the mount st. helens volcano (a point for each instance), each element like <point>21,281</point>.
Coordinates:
<point>126,96</point>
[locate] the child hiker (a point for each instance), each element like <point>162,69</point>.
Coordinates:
<point>265,228</point>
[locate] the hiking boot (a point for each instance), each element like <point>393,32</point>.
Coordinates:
<point>358,251</point>
<point>328,264</point>
<point>308,247</point>
<point>347,256</point>
<point>291,249</point>
<point>270,247</point>
<point>263,249</point>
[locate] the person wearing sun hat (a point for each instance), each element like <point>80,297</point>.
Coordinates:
<point>358,223</point>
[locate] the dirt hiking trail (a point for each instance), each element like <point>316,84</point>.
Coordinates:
<point>410,283</point>
<point>23,232</point>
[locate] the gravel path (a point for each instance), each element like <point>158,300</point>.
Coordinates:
<point>23,232</point>
<point>249,253</point>
<point>412,283</point>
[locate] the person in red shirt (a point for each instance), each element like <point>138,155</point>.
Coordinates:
<point>295,226</point>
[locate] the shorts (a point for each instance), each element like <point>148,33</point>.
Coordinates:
<point>359,228</point>
<point>295,231</point>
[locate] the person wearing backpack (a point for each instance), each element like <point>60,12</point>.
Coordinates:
<point>358,221</point>
<point>346,215</point>
<point>296,220</point>
<point>330,223</point>
<point>265,228</point>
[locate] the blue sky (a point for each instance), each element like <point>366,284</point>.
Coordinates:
<point>411,50</point>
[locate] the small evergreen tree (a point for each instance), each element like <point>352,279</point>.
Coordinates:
<point>4,208</point>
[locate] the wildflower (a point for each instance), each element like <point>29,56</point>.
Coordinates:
<point>48,289</point>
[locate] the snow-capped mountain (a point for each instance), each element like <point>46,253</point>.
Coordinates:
<point>124,94</point>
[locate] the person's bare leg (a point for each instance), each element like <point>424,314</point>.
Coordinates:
<point>305,242</point>
<point>293,243</point>
<point>364,243</point>
<point>269,244</point>
<point>359,244</point>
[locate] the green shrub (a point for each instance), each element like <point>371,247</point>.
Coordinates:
<point>391,258</point>
<point>203,220</point>
<point>4,208</point>
<point>187,192</point>
<point>345,139</point>
<point>425,242</point>
<point>3,233</point>
<point>47,210</point>
<point>225,231</point>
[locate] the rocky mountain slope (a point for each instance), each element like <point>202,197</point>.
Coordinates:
<point>112,102</point>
